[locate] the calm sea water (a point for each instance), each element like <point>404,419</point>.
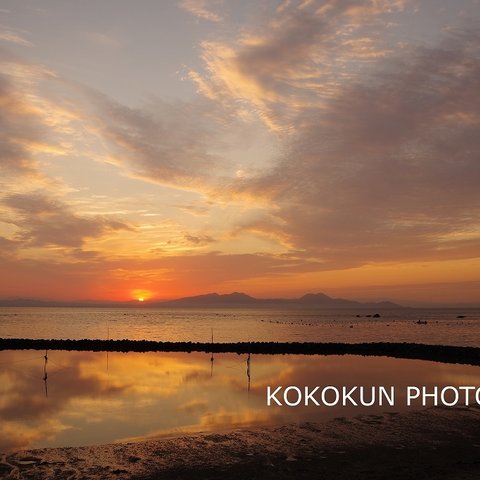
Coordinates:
<point>243,325</point>
<point>95,398</point>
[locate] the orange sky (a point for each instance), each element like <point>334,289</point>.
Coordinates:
<point>180,148</point>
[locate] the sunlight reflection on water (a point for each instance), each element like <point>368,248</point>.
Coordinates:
<point>94,398</point>
<point>235,325</point>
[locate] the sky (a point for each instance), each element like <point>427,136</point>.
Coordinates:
<point>159,149</point>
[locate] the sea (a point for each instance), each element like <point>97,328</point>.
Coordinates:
<point>61,398</point>
<point>443,326</point>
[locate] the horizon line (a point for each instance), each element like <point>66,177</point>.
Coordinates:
<point>145,302</point>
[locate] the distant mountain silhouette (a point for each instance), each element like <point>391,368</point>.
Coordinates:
<point>211,300</point>
<point>237,299</point>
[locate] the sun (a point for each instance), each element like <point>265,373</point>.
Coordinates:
<point>141,295</point>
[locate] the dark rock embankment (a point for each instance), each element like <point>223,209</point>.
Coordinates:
<point>438,353</point>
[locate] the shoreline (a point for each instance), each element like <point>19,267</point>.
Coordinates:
<point>436,443</point>
<point>414,351</point>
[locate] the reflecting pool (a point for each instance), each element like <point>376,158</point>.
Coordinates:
<point>61,398</point>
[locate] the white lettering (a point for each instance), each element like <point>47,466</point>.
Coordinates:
<point>299,396</point>
<point>384,394</point>
<point>412,394</point>
<point>324,396</point>
<point>347,396</point>
<point>271,396</point>
<point>467,394</point>
<point>309,396</point>
<point>362,397</point>
<point>456,396</point>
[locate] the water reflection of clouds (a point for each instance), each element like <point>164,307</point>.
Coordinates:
<point>153,394</point>
<point>28,416</point>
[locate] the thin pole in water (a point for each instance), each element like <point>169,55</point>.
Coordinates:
<point>45,374</point>
<point>248,374</point>
<point>211,358</point>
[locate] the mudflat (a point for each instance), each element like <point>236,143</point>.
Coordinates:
<point>440,443</point>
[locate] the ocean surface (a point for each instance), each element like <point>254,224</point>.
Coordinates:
<point>443,325</point>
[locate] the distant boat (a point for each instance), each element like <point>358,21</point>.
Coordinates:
<point>421,322</point>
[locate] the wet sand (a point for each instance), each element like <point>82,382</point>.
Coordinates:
<point>439,443</point>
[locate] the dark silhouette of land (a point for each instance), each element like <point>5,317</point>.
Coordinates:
<point>212,300</point>
<point>418,351</point>
<point>237,299</point>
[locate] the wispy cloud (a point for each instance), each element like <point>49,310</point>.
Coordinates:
<point>13,36</point>
<point>297,58</point>
<point>174,144</point>
<point>32,124</point>
<point>195,210</point>
<point>21,126</point>
<point>203,9</point>
<point>199,239</point>
<point>43,220</point>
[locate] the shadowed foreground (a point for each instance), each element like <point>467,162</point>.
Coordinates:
<point>414,351</point>
<point>436,443</point>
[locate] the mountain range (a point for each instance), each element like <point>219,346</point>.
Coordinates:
<point>212,300</point>
<point>243,300</point>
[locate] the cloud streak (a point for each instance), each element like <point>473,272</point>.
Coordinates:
<point>45,221</point>
<point>202,9</point>
<point>15,37</point>
<point>32,125</point>
<point>164,143</point>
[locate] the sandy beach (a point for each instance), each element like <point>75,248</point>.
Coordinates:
<point>440,443</point>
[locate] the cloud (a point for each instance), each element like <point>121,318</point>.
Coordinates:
<point>32,125</point>
<point>11,36</point>
<point>379,163</point>
<point>42,116</point>
<point>199,239</point>
<point>202,9</point>
<point>195,210</point>
<point>388,168</point>
<point>297,58</point>
<point>19,126</point>
<point>7,247</point>
<point>174,144</point>
<point>45,221</point>
<point>227,267</point>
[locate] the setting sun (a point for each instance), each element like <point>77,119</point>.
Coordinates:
<point>141,295</point>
